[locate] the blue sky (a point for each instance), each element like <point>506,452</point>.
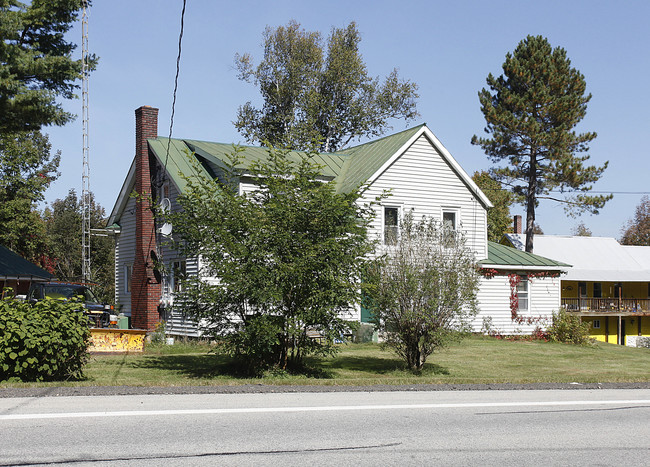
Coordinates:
<point>448,48</point>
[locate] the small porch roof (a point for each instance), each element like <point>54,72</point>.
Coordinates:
<point>505,257</point>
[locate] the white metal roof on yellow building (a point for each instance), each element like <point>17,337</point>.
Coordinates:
<point>598,259</point>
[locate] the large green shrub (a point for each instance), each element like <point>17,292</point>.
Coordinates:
<point>44,341</point>
<point>255,344</point>
<point>568,328</point>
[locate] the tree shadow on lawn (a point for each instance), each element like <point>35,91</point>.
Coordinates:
<point>193,366</point>
<point>212,366</point>
<point>380,366</point>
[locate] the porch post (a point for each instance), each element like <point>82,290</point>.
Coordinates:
<point>607,329</point>
<point>639,326</point>
<point>618,331</point>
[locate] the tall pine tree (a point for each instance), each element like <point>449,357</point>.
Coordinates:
<point>531,111</point>
<point>36,64</point>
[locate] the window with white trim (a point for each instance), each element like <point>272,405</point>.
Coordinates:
<point>596,323</point>
<point>179,269</point>
<point>450,219</point>
<point>391,225</point>
<point>522,294</point>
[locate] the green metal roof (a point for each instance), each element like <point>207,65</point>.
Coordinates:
<point>178,163</point>
<point>365,160</point>
<point>501,255</point>
<point>218,153</point>
<point>349,168</point>
<point>15,266</point>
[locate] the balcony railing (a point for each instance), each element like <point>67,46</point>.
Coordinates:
<point>607,304</point>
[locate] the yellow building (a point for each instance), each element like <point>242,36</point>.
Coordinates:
<point>608,285</point>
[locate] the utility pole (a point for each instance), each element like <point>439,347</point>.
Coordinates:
<point>85,179</point>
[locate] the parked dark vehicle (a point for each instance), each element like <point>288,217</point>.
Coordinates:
<point>98,314</point>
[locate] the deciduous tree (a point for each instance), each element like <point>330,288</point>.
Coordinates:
<point>531,111</point>
<point>637,229</point>
<point>581,230</point>
<point>288,258</point>
<point>316,96</point>
<point>26,171</point>
<point>63,224</point>
<point>425,290</point>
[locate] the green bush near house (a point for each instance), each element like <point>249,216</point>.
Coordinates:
<point>364,333</point>
<point>568,328</point>
<point>45,341</point>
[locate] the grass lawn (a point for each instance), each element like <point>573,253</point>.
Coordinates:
<point>474,360</point>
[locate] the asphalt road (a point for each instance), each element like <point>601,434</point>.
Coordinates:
<point>550,427</point>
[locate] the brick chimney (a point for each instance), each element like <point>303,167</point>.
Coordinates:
<point>517,225</point>
<point>145,288</point>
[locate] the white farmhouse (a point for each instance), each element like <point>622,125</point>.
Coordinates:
<point>414,165</point>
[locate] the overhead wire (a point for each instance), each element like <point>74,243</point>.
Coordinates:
<point>178,67</point>
<point>171,128</point>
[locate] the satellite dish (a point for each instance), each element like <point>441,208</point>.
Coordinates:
<point>165,205</point>
<point>166,229</point>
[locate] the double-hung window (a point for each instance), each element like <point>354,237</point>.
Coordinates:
<point>450,225</point>
<point>179,269</point>
<point>391,225</point>
<point>523,294</point>
<point>450,219</point>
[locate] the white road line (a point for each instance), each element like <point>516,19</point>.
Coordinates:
<point>336,408</point>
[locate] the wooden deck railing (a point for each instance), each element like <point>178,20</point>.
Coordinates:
<point>606,304</point>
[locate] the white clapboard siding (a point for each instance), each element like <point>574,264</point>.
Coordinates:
<point>124,255</point>
<point>246,185</point>
<point>545,296</point>
<point>422,180</point>
<point>176,322</point>
<point>494,302</point>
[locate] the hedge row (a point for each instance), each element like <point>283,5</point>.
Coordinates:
<point>45,341</point>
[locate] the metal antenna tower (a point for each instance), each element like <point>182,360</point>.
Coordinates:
<point>85,179</point>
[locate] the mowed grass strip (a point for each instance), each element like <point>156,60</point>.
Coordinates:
<point>476,359</point>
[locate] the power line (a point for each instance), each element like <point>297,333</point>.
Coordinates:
<point>607,192</point>
<point>178,67</point>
